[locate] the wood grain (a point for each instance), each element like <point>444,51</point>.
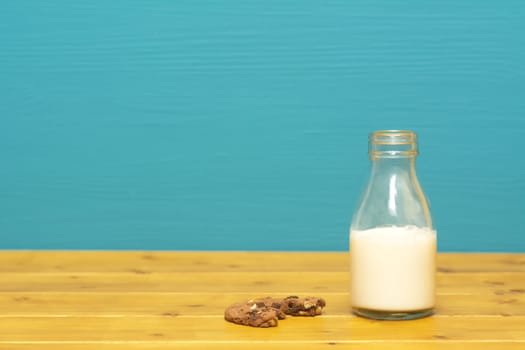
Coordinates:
<point>159,300</point>
<point>354,345</point>
<point>373,345</point>
<point>229,282</point>
<point>233,261</point>
<point>502,302</point>
<point>302,330</point>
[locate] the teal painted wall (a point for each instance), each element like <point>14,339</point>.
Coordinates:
<point>235,124</point>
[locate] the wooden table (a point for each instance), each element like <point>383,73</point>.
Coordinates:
<point>175,300</point>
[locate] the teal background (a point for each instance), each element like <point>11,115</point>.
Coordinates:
<point>236,124</point>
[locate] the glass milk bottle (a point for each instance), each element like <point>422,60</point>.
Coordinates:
<point>392,239</point>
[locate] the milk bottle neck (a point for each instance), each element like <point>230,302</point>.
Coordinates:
<point>390,166</point>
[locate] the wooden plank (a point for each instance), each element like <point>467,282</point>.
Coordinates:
<point>89,261</point>
<point>165,345</point>
<point>296,329</point>
<point>257,282</point>
<point>152,307</point>
<point>116,304</point>
<point>481,262</point>
<point>195,261</point>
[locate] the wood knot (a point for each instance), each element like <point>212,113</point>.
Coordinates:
<point>195,305</point>
<point>517,291</point>
<point>21,299</point>
<point>444,269</point>
<point>508,301</point>
<point>439,336</point>
<point>494,283</point>
<point>148,257</point>
<point>170,314</point>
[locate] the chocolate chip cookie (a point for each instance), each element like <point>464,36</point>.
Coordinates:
<point>265,312</point>
<point>308,306</point>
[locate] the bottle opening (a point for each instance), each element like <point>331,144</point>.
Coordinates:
<point>392,144</point>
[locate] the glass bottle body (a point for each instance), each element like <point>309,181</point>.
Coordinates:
<point>392,238</point>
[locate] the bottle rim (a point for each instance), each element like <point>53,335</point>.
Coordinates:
<point>392,144</point>
<point>392,137</point>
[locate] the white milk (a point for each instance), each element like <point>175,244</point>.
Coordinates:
<point>393,268</point>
